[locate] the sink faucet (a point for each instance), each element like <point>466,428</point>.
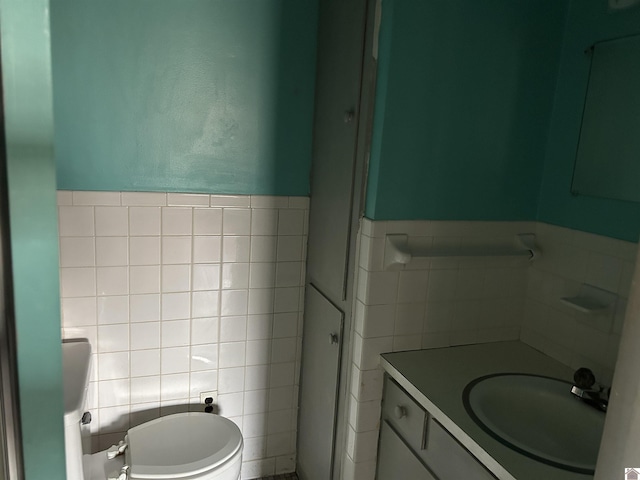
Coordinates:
<point>583,389</point>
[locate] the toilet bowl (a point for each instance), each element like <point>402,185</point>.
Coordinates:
<point>185,446</point>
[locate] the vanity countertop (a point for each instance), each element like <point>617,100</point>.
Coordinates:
<point>436,378</point>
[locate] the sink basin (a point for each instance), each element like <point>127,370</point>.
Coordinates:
<point>538,417</point>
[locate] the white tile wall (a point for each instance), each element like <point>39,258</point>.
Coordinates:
<point>571,258</point>
<point>452,301</point>
<point>187,293</point>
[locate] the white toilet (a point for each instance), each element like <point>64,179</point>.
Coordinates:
<point>185,446</point>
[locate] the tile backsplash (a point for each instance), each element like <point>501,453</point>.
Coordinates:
<point>187,293</point>
<point>453,300</point>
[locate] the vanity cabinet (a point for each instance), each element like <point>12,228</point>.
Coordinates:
<point>414,445</point>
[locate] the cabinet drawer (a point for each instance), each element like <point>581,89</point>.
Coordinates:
<point>402,412</point>
<point>396,461</point>
<point>448,459</point>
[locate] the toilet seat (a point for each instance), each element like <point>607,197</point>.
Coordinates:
<point>182,445</point>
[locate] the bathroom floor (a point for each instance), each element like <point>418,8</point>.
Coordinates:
<point>286,476</point>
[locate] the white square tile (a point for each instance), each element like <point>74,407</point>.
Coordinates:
<point>290,249</point>
<point>77,252</point>
<point>204,330</point>
<point>79,311</point>
<point>206,303</point>
<point>255,425</point>
<point>112,251</point>
<point>258,352</point>
<point>174,360</point>
<point>283,350</point>
<point>144,198</point>
<point>176,278</point>
<point>144,221</point>
<point>144,308</point>
<point>233,302</point>
<point>256,401</point>
<point>175,306</point>
<point>204,381</point>
<point>113,280</point>
<point>78,282</point>
<point>233,329</point>
<point>281,398</point>
<point>231,380</point>
<point>235,275</point>
<point>264,222</point>
<point>269,201</point>
<point>262,275</point>
<point>230,200</point>
<point>261,300</point>
<point>176,250</point>
<point>173,387</point>
<point>206,277</point>
<point>279,421</point>
<point>286,300</point>
<point>281,375</point>
<point>145,389</point>
<point>113,420</point>
<point>144,279</point>
<point>299,202</point>
<point>90,332</point>
<point>96,198</point>
<point>412,286</point>
<point>145,335</point>
<point>176,333</point>
<point>263,249</point>
<point>204,357</point>
<point>112,221</point>
<point>113,338</point>
<point>378,288</point>
<point>409,318</point>
<point>113,365</point>
<point>145,362</point>
<point>177,221</point>
<point>207,221</point>
<point>235,249</point>
<point>230,404</point>
<point>259,327</point>
<point>285,325</point>
<point>188,199</point>
<point>207,249</point>
<point>289,274</point>
<point>291,222</point>
<point>232,354</point>
<point>76,221</point>
<point>113,393</point>
<point>236,221</point>
<point>144,250</point>
<point>64,197</point>
<point>113,309</point>
<point>256,377</point>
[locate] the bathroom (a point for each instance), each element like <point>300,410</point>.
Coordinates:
<point>518,181</point>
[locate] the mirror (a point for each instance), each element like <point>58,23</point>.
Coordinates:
<point>608,157</point>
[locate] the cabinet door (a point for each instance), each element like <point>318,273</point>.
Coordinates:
<point>396,461</point>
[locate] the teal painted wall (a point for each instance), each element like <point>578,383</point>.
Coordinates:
<point>28,123</point>
<point>191,96</point>
<point>589,21</point>
<point>464,95</point>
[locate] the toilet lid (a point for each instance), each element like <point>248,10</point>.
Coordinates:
<point>181,445</point>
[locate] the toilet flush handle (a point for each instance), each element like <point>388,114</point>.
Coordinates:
<point>122,475</point>
<point>115,450</point>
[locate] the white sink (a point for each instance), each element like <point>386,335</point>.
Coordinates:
<point>538,417</point>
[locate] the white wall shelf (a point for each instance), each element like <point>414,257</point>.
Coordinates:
<point>399,252</point>
<point>591,300</point>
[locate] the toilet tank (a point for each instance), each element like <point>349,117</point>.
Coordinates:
<point>76,361</point>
